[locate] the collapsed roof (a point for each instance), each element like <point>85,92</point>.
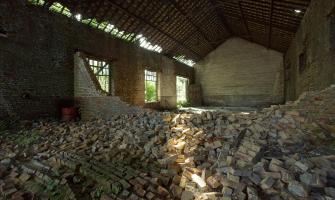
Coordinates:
<point>194,28</point>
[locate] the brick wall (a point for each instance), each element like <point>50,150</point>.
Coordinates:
<point>316,105</point>
<point>84,84</point>
<point>36,61</point>
<point>241,73</point>
<point>315,38</point>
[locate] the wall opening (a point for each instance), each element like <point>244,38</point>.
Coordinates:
<point>102,72</point>
<point>181,89</point>
<point>151,86</point>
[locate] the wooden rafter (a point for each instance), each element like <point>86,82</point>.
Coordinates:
<point>96,11</point>
<point>176,5</point>
<point>155,27</point>
<point>196,27</point>
<point>244,21</point>
<point>215,5</point>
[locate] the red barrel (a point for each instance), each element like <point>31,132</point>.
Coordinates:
<point>69,113</point>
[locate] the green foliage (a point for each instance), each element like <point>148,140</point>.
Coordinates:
<point>59,8</point>
<point>150,91</point>
<point>36,2</point>
<point>67,12</point>
<point>26,140</point>
<point>182,104</point>
<point>56,7</point>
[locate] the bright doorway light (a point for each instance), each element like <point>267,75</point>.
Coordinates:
<point>181,89</point>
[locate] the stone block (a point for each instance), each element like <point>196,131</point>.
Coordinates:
<point>213,182</point>
<point>233,178</point>
<point>187,195</point>
<point>297,189</point>
<point>267,183</point>
<point>227,192</point>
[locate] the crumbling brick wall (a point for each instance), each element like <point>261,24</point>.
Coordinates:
<point>314,38</point>
<point>36,61</point>
<point>92,102</point>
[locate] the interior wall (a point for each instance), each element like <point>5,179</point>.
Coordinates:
<point>315,37</point>
<point>36,62</point>
<point>241,73</point>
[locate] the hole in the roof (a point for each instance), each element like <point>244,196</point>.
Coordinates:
<point>78,17</point>
<point>297,11</point>
<point>109,28</point>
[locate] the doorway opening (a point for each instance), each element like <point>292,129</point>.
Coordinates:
<point>181,87</point>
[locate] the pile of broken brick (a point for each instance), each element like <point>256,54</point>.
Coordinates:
<point>281,152</point>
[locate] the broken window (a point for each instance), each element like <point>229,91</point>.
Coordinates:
<point>183,59</point>
<point>302,62</point>
<point>181,87</point>
<point>102,72</point>
<point>151,85</point>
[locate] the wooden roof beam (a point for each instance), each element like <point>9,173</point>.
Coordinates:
<point>142,26</point>
<point>244,21</point>
<point>155,27</point>
<point>262,22</point>
<point>202,33</point>
<point>221,16</point>
<point>96,11</point>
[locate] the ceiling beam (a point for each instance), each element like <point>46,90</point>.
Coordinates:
<point>126,20</point>
<point>155,27</point>
<point>116,21</point>
<point>103,16</point>
<point>244,21</point>
<point>257,11</point>
<point>142,26</point>
<point>96,11</point>
<point>202,33</point>
<point>264,23</point>
<point>219,13</point>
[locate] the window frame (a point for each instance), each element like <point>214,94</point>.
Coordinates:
<point>156,77</point>
<point>109,71</point>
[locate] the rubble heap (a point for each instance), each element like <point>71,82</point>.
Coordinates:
<point>281,152</point>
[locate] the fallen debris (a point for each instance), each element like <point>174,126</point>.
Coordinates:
<point>281,152</point>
